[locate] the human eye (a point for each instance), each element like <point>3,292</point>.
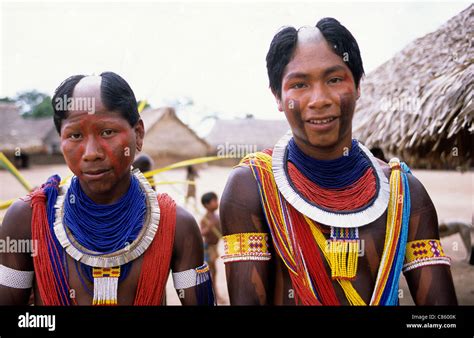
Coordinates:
<point>75,136</point>
<point>107,132</point>
<point>298,85</point>
<point>334,80</point>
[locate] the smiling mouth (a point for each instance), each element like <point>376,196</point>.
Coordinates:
<point>322,121</point>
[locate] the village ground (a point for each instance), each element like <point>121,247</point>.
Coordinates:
<point>451,192</point>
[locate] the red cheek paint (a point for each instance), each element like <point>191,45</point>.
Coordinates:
<point>119,152</point>
<point>73,152</point>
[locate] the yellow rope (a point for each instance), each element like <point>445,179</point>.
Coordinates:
<point>6,204</point>
<point>11,168</point>
<point>141,106</point>
<point>184,164</point>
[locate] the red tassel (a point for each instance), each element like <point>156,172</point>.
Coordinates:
<point>156,263</point>
<point>48,286</point>
<point>313,259</point>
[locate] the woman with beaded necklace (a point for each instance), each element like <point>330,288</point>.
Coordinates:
<point>104,237</point>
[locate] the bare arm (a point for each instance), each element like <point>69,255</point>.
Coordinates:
<point>240,211</point>
<point>433,284</point>
<point>205,226</point>
<point>188,252</point>
<point>16,227</point>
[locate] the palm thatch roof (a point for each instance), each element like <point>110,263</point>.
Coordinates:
<point>168,139</point>
<point>30,135</point>
<point>418,105</point>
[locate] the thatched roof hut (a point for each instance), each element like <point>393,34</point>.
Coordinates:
<point>36,137</point>
<point>168,139</point>
<point>418,105</point>
<point>237,137</point>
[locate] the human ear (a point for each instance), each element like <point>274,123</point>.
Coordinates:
<point>139,134</point>
<point>278,101</point>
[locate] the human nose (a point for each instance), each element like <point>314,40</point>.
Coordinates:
<point>93,150</point>
<point>320,97</point>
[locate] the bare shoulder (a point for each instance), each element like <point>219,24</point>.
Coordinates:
<point>419,196</point>
<point>185,223</point>
<point>423,217</point>
<point>17,227</point>
<point>420,199</point>
<point>385,167</point>
<point>240,209</point>
<point>241,186</point>
<point>188,245</point>
<point>17,220</point>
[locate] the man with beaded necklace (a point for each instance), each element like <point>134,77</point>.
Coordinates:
<point>103,237</point>
<point>318,220</point>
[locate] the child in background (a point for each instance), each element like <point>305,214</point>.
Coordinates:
<point>211,232</point>
<point>144,163</point>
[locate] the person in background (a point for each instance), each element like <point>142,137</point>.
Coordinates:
<point>144,163</point>
<point>191,175</point>
<point>211,231</point>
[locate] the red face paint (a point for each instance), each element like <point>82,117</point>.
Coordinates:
<point>99,149</point>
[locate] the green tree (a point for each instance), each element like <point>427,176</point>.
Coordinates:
<point>44,109</point>
<point>6,99</point>
<point>35,104</point>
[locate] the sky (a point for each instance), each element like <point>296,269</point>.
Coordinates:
<point>213,53</point>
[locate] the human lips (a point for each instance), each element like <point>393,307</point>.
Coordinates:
<point>321,120</point>
<point>322,124</point>
<point>96,173</point>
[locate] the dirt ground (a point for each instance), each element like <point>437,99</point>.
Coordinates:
<point>451,192</point>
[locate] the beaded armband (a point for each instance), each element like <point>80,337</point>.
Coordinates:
<point>16,279</point>
<point>424,252</point>
<point>250,246</point>
<point>192,277</point>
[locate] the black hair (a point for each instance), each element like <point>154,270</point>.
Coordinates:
<point>208,197</point>
<point>115,93</point>
<point>284,43</point>
<point>143,162</point>
<point>344,44</point>
<point>378,153</point>
<point>279,55</point>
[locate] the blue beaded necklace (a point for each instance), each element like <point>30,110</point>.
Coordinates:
<point>331,174</point>
<point>104,228</point>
